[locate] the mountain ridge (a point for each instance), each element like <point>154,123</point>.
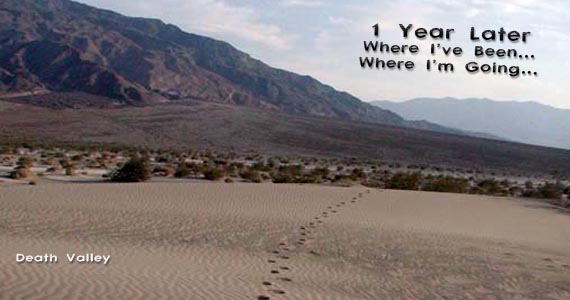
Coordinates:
<point>522,121</point>
<point>65,46</point>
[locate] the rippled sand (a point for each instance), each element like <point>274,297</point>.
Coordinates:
<point>249,241</point>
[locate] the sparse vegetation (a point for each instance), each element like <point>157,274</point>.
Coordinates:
<point>251,175</point>
<point>447,184</point>
<point>21,172</point>
<point>257,168</point>
<point>404,181</point>
<point>182,170</point>
<point>135,170</point>
<point>212,174</point>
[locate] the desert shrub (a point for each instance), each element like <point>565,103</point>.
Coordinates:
<point>516,191</point>
<point>182,170</point>
<point>64,163</point>
<point>320,172</point>
<point>212,173</point>
<point>260,166</point>
<point>279,177</point>
<point>404,181</point>
<point>294,174</point>
<point>21,172</point>
<point>70,170</point>
<point>377,184</point>
<point>292,170</point>
<point>490,187</point>
<point>251,175</point>
<point>358,173</point>
<point>134,170</point>
<point>447,184</point>
<point>271,163</point>
<point>162,159</point>
<point>24,161</point>
<point>550,191</point>
<point>308,178</point>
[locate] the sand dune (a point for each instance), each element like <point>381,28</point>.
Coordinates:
<point>265,241</point>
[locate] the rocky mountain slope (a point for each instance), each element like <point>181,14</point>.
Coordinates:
<point>64,46</point>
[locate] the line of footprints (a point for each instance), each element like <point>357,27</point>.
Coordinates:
<point>280,256</point>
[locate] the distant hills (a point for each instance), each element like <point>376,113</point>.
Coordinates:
<point>203,125</point>
<point>526,122</point>
<point>64,46</point>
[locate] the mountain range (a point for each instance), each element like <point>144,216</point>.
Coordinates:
<point>525,122</point>
<point>65,46</point>
<point>74,73</point>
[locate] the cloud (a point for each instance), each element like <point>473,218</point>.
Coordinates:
<point>309,3</point>
<point>337,20</point>
<point>210,17</point>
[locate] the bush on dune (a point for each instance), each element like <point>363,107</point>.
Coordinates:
<point>21,172</point>
<point>447,184</point>
<point>212,173</point>
<point>182,170</point>
<point>135,170</point>
<point>404,181</point>
<point>490,187</point>
<point>251,175</point>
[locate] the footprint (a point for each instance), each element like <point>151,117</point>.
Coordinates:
<point>287,279</point>
<point>285,268</point>
<point>271,261</point>
<point>263,297</point>
<point>284,257</point>
<point>275,251</point>
<point>274,272</point>
<point>266,283</point>
<point>280,292</point>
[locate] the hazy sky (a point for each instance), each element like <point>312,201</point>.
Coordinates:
<point>324,39</point>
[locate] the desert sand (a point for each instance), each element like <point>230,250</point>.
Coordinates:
<point>181,240</point>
